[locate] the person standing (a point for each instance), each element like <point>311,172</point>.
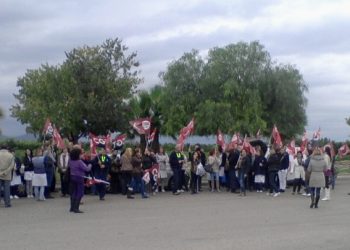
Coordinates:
<point>137,173</point>
<point>176,160</point>
<point>7,164</point>
<point>259,168</point>
<point>214,162</point>
<point>163,161</point>
<point>49,155</point>
<point>299,173</point>
<point>273,166</point>
<point>28,172</point>
<point>316,169</point>
<point>233,158</point>
<point>16,178</point>
<point>243,167</point>
<point>62,169</point>
<point>148,160</point>
<point>327,174</point>
<point>126,172</point>
<point>282,173</point>
<point>77,172</point>
<point>101,165</point>
<point>194,177</point>
<point>39,178</point>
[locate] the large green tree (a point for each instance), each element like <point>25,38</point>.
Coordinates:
<point>236,88</point>
<point>89,92</point>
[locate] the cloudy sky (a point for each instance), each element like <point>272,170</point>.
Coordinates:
<point>311,34</point>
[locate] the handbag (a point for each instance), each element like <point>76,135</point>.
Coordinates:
<point>200,170</point>
<point>208,168</point>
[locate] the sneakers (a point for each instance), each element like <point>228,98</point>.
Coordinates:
<point>163,190</point>
<point>16,197</point>
<point>177,193</point>
<point>276,194</point>
<point>11,197</point>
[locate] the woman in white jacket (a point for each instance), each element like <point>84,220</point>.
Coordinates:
<point>299,172</point>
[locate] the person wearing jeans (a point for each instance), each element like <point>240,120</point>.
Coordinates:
<point>7,164</point>
<point>243,167</point>
<point>273,165</point>
<point>137,172</point>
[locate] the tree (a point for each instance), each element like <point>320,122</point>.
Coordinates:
<point>89,92</point>
<point>236,88</point>
<point>147,104</point>
<point>347,121</point>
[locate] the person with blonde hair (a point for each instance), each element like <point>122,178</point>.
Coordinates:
<point>126,173</point>
<point>316,169</point>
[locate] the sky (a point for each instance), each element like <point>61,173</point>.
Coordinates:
<point>312,35</point>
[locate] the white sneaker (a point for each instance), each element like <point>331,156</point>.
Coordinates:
<point>163,191</point>
<point>16,197</point>
<point>276,194</point>
<point>11,197</point>
<point>181,191</point>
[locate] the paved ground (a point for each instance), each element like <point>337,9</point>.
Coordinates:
<point>204,221</point>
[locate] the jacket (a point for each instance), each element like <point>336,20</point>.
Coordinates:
<point>126,163</point>
<point>316,168</point>
<point>136,163</point>
<point>7,164</point>
<point>174,159</point>
<point>273,163</point>
<point>233,159</point>
<point>28,164</point>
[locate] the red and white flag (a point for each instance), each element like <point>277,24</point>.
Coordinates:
<point>276,136</point>
<point>141,125</point>
<point>48,128</point>
<point>247,146</point>
<point>331,147</point>
<point>93,181</point>
<point>101,142</point>
<point>153,171</point>
<point>220,140</point>
<point>185,132</point>
<point>344,150</point>
<point>58,139</point>
<point>291,147</point>
<point>304,142</point>
<point>317,135</point>
<point>119,140</point>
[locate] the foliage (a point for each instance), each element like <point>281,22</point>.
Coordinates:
<point>1,116</point>
<point>87,93</point>
<point>237,88</point>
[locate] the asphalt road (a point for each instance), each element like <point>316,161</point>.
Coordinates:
<point>204,221</point>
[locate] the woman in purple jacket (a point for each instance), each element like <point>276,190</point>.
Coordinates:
<point>77,172</point>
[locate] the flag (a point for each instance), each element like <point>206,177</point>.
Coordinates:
<point>141,125</point>
<point>276,136</point>
<point>48,128</point>
<point>291,147</point>
<point>344,150</point>
<point>151,137</point>
<point>119,140</point>
<point>331,147</point>
<point>184,133</point>
<point>58,139</point>
<point>317,135</point>
<point>93,181</point>
<point>247,146</point>
<point>100,142</point>
<point>154,171</point>
<point>304,142</point>
<point>220,140</point>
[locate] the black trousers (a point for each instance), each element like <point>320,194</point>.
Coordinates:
<point>126,181</point>
<point>64,185</point>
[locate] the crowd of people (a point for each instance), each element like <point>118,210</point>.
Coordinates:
<point>234,170</point>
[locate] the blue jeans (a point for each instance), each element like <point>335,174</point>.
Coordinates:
<point>272,182</point>
<point>241,180</point>
<point>6,186</point>
<point>137,183</point>
<point>315,191</point>
<point>39,193</point>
